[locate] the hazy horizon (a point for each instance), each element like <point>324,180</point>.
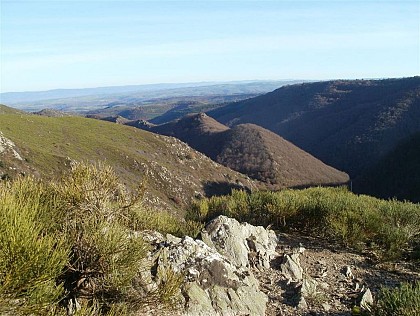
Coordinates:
<point>49,45</point>
<point>192,84</point>
<point>200,83</point>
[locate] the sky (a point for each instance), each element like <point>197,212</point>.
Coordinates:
<point>80,44</point>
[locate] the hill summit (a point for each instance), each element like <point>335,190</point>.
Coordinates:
<point>252,150</point>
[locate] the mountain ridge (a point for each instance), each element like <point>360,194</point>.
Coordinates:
<point>335,120</point>
<point>252,150</point>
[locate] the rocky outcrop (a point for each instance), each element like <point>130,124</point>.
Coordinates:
<point>366,300</point>
<point>214,285</point>
<point>244,244</point>
<point>291,268</point>
<point>6,145</point>
<point>240,269</point>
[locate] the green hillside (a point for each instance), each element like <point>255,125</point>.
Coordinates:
<point>173,171</point>
<point>7,110</point>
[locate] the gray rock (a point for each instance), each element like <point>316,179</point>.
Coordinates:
<point>324,285</point>
<point>72,306</point>
<point>348,273</point>
<point>244,244</point>
<point>7,145</point>
<point>302,303</point>
<point>366,300</point>
<point>326,306</point>
<point>309,287</point>
<point>291,268</point>
<point>213,284</point>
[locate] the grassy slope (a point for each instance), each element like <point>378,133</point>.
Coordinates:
<point>173,170</point>
<point>360,221</point>
<point>7,110</point>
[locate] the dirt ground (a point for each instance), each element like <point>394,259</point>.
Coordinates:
<point>341,276</point>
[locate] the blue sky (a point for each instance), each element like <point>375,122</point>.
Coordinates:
<point>77,44</point>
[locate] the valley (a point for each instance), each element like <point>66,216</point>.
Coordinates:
<point>209,158</point>
<point>189,186</point>
<point>348,125</point>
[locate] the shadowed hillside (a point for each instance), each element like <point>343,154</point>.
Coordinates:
<point>252,150</point>
<point>349,125</point>
<point>45,146</point>
<point>263,155</point>
<point>396,175</point>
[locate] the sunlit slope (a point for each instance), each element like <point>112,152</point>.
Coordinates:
<point>173,171</point>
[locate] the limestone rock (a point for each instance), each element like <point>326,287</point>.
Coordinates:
<point>6,145</point>
<point>302,303</point>
<point>309,287</point>
<point>244,244</point>
<point>366,300</point>
<point>348,273</point>
<point>72,306</point>
<point>326,306</point>
<point>213,284</point>
<point>291,268</point>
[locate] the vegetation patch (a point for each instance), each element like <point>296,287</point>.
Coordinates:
<point>49,144</point>
<point>77,239</point>
<point>403,301</point>
<point>391,227</point>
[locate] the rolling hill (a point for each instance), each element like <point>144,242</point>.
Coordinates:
<point>348,124</point>
<point>174,173</point>
<point>162,110</point>
<point>252,150</point>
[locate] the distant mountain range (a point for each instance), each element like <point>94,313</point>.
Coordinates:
<point>251,150</point>
<point>32,96</point>
<point>162,110</point>
<point>90,99</point>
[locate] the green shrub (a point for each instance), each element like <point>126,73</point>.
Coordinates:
<point>96,218</point>
<point>31,257</point>
<point>166,223</point>
<point>333,213</point>
<point>169,285</point>
<point>77,239</point>
<point>401,301</point>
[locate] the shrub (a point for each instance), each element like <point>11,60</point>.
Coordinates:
<point>76,239</point>
<point>31,257</point>
<point>97,219</point>
<point>401,301</point>
<point>167,223</point>
<point>333,213</point>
